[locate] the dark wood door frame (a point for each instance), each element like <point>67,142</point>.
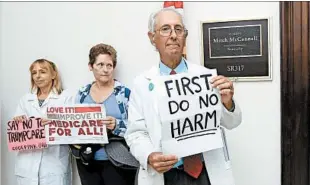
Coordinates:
<point>295,72</point>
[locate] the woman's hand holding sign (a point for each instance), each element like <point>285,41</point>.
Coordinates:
<point>162,163</point>
<point>45,121</point>
<point>110,122</point>
<point>20,118</point>
<point>226,89</point>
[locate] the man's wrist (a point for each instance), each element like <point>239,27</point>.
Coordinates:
<point>232,108</point>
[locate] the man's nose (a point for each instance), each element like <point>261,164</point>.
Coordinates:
<point>173,34</point>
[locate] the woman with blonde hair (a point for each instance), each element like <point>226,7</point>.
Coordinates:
<point>51,165</point>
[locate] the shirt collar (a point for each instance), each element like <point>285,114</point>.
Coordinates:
<point>117,87</point>
<point>165,70</point>
<point>53,94</point>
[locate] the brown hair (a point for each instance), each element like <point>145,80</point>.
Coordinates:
<point>52,67</point>
<point>98,49</point>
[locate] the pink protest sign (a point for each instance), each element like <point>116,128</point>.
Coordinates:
<point>26,135</point>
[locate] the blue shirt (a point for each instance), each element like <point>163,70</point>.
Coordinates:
<point>165,70</point>
<point>122,94</point>
<point>181,68</point>
<point>116,105</point>
<point>111,110</point>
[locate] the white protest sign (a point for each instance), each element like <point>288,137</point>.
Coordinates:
<point>190,111</point>
<point>76,124</point>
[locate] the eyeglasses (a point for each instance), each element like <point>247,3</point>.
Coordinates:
<point>166,31</point>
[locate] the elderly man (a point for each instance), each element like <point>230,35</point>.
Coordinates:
<point>168,34</point>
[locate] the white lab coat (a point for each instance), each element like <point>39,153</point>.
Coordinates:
<point>50,166</point>
<point>144,129</point>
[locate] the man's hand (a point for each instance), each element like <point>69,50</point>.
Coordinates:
<point>162,163</point>
<point>226,89</point>
<point>110,122</point>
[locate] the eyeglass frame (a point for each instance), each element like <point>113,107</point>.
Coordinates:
<point>173,29</point>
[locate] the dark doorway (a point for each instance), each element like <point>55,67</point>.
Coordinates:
<point>295,72</point>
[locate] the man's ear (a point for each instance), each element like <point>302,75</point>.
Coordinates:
<point>186,34</point>
<point>151,37</point>
<point>90,67</point>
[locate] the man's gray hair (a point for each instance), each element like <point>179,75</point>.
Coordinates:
<point>152,19</point>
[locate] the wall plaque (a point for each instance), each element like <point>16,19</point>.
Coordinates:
<point>239,49</point>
